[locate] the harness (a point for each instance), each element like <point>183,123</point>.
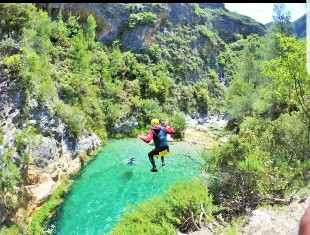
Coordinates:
<point>162,153</point>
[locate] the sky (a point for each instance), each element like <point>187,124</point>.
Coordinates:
<point>263,12</point>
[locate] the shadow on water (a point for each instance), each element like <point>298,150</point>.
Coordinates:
<point>126,176</point>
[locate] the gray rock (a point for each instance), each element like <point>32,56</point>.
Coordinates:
<point>88,143</point>
<point>44,152</point>
<point>112,20</point>
<point>69,144</point>
<point>278,221</point>
<point>125,124</point>
<point>180,13</point>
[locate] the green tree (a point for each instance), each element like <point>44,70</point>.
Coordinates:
<point>59,32</point>
<point>281,24</point>
<point>250,66</point>
<point>281,19</point>
<point>239,100</point>
<point>159,86</point>
<point>90,31</point>
<point>14,17</point>
<point>291,81</point>
<point>73,25</point>
<point>37,35</point>
<point>80,56</point>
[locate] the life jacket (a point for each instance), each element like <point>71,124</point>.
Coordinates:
<point>159,136</point>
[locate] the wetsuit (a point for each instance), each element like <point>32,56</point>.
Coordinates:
<point>159,135</point>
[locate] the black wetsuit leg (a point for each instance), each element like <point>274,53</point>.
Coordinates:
<point>156,152</point>
<point>151,157</point>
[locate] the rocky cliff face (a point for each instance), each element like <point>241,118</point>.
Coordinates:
<point>52,150</point>
<point>112,20</point>
<point>188,34</point>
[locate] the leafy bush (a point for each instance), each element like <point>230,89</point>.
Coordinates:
<point>190,199</point>
<point>14,17</point>
<point>148,109</point>
<point>206,31</point>
<point>185,206</point>
<point>155,51</point>
<point>73,117</point>
<point>10,176</point>
<point>150,217</point>
<point>266,160</point>
<point>142,18</point>
<point>23,139</point>
<point>178,122</point>
<point>14,62</point>
<point>203,97</point>
<point>12,230</point>
<point>159,86</point>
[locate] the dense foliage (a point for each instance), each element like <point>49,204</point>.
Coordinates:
<point>185,206</point>
<point>265,160</point>
<point>261,82</point>
<point>89,86</point>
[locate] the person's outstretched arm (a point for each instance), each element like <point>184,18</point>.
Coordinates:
<point>169,130</point>
<point>148,138</point>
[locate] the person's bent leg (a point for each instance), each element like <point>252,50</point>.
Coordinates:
<point>151,158</point>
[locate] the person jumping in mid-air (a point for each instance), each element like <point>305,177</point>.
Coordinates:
<point>159,135</point>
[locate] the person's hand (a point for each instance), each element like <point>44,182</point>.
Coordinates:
<point>139,136</point>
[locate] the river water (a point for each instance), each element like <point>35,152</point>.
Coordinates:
<point>104,188</point>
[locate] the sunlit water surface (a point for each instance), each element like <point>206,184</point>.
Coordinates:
<point>107,185</point>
